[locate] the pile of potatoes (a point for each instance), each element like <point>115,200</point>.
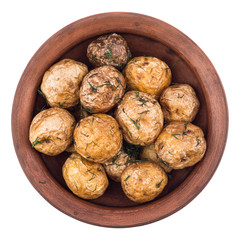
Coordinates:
<point>130,124</point>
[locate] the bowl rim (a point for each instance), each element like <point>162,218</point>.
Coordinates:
<point>65,39</point>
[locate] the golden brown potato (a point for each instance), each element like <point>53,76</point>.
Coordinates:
<point>111,49</point>
<point>181,145</point>
<point>140,117</point>
<point>85,179</point>
<point>51,131</point>
<point>61,83</point>
<point>149,152</point>
<point>101,89</point>
<point>148,74</point>
<point>115,166</point>
<point>98,138</point>
<point>143,181</point>
<point>71,149</point>
<point>179,103</point>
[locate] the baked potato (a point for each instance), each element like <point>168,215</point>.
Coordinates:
<point>101,89</point>
<point>140,117</point>
<point>98,138</point>
<point>85,179</point>
<point>180,145</point>
<point>51,131</point>
<point>143,181</point>
<point>179,103</point>
<point>114,167</point>
<point>110,49</point>
<point>147,74</point>
<point>61,83</point>
<point>149,152</point>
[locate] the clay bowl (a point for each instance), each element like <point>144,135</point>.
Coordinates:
<point>145,36</point>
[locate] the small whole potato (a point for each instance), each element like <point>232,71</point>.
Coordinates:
<point>51,131</point>
<point>140,116</point>
<point>143,181</point>
<point>180,145</point>
<point>98,138</point>
<point>61,83</point>
<point>179,103</point>
<point>111,49</point>
<point>115,166</point>
<point>101,89</point>
<point>149,152</point>
<point>148,74</point>
<point>85,179</point>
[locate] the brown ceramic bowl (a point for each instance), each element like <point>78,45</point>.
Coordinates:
<point>145,36</point>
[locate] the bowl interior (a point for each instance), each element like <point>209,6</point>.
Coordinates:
<point>182,72</point>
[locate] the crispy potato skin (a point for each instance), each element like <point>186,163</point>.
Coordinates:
<point>85,179</point>
<point>51,131</point>
<point>181,145</point>
<point>115,166</point>
<point>101,89</point>
<point>61,83</point>
<point>179,103</point>
<point>98,138</point>
<point>140,117</point>
<point>148,74</point>
<point>111,49</point>
<point>149,152</point>
<point>143,181</point>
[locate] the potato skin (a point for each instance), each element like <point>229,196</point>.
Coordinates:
<point>181,145</point>
<point>115,166</point>
<point>85,179</point>
<point>61,83</point>
<point>147,74</point>
<point>143,181</point>
<point>179,103</point>
<point>51,131</point>
<point>101,89</point>
<point>111,49</point>
<point>98,138</point>
<point>140,116</point>
<point>149,152</point>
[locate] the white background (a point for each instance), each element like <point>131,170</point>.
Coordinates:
<point>213,25</point>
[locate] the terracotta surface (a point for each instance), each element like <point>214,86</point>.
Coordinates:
<point>145,36</point>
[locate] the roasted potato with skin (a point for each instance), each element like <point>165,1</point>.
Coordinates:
<point>61,83</point>
<point>51,131</point>
<point>143,181</point>
<point>181,145</point>
<point>179,103</point>
<point>85,179</point>
<point>101,89</point>
<point>111,49</point>
<point>148,74</point>
<point>71,149</point>
<point>115,166</point>
<point>149,152</point>
<point>98,138</point>
<point>140,117</point>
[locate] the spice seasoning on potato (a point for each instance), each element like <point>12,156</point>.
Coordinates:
<point>51,131</point>
<point>111,49</point>
<point>98,138</point>
<point>148,74</point>
<point>140,117</point>
<point>115,166</point>
<point>101,89</point>
<point>149,152</point>
<point>61,83</point>
<point>85,179</point>
<point>143,181</point>
<point>179,103</point>
<point>180,145</point>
